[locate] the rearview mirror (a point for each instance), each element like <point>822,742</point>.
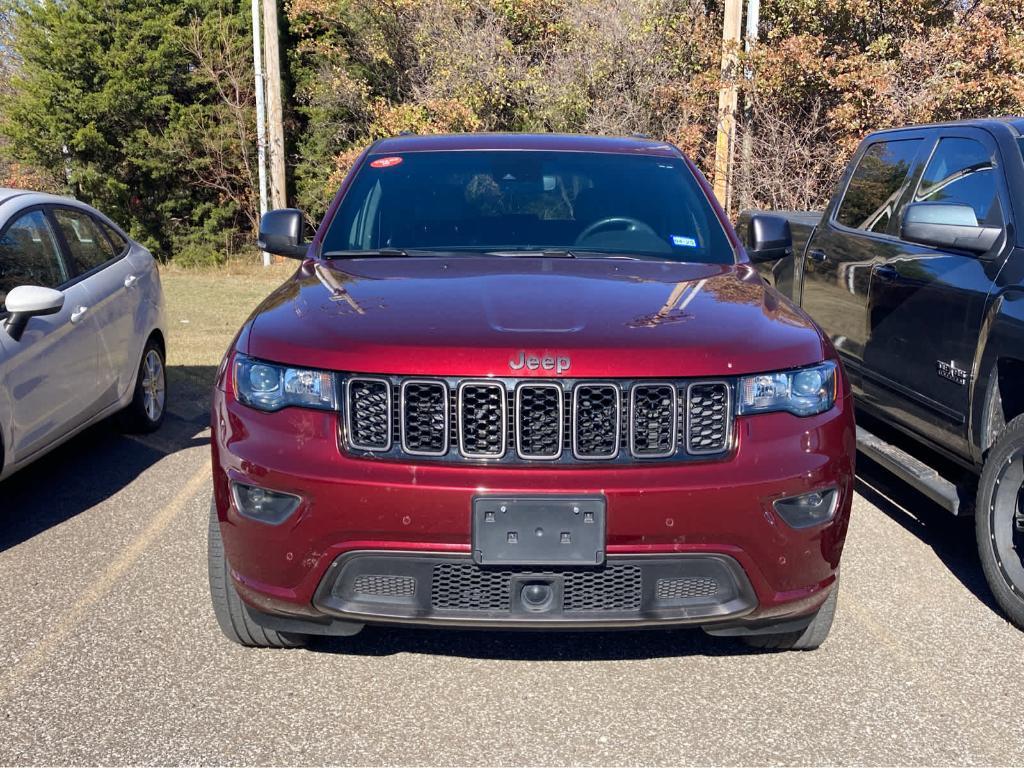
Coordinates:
<point>28,301</point>
<point>947,225</point>
<point>768,238</point>
<point>281,233</point>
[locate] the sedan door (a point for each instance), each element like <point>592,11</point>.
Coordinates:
<point>108,275</point>
<point>928,302</point>
<point>50,372</point>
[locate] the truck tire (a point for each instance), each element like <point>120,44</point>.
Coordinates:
<point>145,413</point>
<point>999,520</point>
<point>234,620</point>
<point>808,639</point>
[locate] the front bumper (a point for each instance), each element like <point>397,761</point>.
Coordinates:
<point>413,588</point>
<point>680,517</point>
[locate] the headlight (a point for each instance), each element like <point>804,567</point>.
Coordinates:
<point>270,387</point>
<point>804,392</point>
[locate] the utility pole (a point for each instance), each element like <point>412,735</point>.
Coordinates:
<point>749,41</point>
<point>261,117</point>
<point>275,121</point>
<point>728,98</point>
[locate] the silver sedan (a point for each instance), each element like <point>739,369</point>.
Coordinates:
<point>81,326</point>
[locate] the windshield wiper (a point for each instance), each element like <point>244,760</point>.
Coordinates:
<point>526,253</point>
<point>370,253</point>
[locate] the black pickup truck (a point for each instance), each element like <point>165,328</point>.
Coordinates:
<point>915,270</point>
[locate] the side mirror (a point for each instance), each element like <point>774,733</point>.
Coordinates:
<point>28,301</point>
<point>947,225</point>
<point>281,233</point>
<point>768,238</point>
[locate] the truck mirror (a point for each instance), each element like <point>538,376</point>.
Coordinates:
<point>947,225</point>
<point>281,233</point>
<point>769,238</point>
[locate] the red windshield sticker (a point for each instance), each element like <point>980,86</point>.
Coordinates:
<point>385,162</point>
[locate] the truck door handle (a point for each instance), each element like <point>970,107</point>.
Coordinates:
<point>78,314</point>
<point>886,272</point>
<point>816,255</point>
<point>130,281</point>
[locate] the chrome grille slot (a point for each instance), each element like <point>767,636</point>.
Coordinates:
<point>653,418</point>
<point>483,419</point>
<point>539,421</point>
<point>368,415</point>
<point>424,417</point>
<point>596,411</point>
<point>515,420</point>
<point>708,417</point>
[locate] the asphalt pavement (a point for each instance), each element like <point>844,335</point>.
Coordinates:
<point>109,652</point>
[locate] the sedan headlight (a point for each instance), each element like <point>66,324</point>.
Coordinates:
<point>270,387</point>
<point>804,392</point>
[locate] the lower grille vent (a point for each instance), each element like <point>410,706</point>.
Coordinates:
<point>686,589</point>
<point>466,586</point>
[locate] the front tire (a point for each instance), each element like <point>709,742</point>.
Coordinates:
<point>808,639</point>
<point>999,520</point>
<point>233,618</point>
<point>145,413</point>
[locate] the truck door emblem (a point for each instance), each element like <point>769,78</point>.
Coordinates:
<point>521,360</point>
<point>952,372</point>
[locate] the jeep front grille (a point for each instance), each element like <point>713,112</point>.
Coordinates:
<point>519,421</point>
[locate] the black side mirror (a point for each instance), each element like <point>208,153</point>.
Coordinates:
<point>947,225</point>
<point>768,238</point>
<point>281,233</point>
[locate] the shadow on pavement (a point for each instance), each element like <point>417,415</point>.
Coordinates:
<point>952,538</point>
<point>624,645</point>
<point>101,461</point>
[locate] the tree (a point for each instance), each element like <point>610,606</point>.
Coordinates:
<point>103,98</point>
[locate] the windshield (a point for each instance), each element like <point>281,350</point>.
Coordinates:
<point>520,201</point>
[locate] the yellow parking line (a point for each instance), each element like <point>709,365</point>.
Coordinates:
<point>16,675</point>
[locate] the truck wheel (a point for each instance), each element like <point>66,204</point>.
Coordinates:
<point>812,636</point>
<point>999,520</point>
<point>234,620</point>
<point>145,413</point>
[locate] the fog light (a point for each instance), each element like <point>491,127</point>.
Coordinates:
<point>808,509</point>
<point>262,504</point>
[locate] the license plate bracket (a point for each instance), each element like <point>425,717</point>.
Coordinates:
<point>539,530</point>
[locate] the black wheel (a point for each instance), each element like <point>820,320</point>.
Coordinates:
<point>234,620</point>
<point>145,413</point>
<point>999,520</point>
<point>809,638</point>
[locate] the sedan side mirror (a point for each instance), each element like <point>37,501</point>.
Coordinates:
<point>947,225</point>
<point>281,233</point>
<point>768,238</point>
<point>28,301</point>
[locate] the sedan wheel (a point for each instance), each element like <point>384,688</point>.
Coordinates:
<point>145,413</point>
<point>153,385</point>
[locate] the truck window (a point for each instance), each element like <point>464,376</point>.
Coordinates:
<point>962,171</point>
<point>871,196</point>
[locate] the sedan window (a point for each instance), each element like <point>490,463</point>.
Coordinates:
<point>29,255</point>
<point>87,246</point>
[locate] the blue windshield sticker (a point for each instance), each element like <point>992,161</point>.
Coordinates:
<point>684,242</point>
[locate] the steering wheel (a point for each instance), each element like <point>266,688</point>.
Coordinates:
<point>626,223</point>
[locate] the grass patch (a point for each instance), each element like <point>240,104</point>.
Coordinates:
<point>205,308</point>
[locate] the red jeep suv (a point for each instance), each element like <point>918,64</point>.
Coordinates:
<point>532,382</point>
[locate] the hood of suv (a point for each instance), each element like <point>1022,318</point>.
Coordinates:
<point>546,317</point>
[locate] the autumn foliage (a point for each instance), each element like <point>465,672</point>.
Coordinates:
<point>820,75</point>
